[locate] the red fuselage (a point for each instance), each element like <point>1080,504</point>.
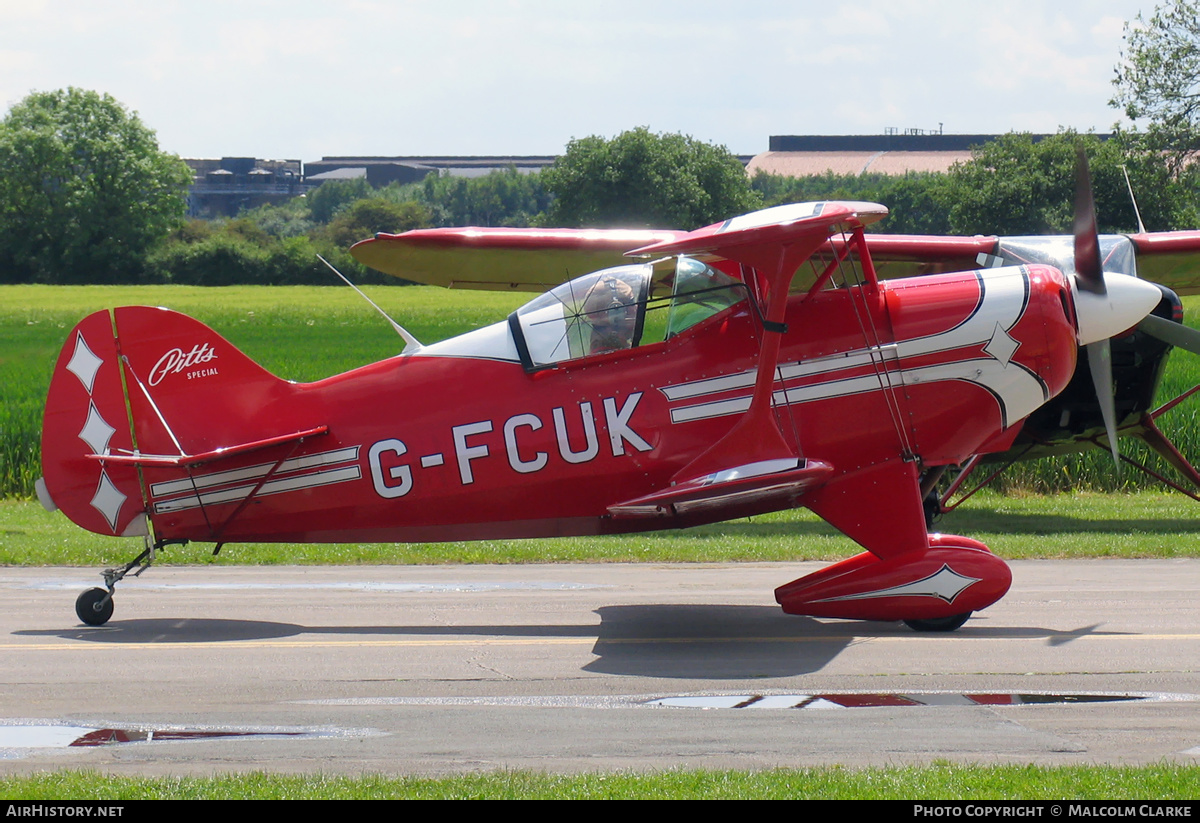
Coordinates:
<point>429,447</point>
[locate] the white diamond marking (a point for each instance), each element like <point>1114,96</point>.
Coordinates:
<point>108,500</point>
<point>1001,346</point>
<point>945,584</point>
<point>84,364</point>
<point>96,432</point>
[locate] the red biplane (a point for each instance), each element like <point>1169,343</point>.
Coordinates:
<point>754,365</point>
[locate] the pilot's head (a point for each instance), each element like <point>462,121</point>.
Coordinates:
<point>610,309</point>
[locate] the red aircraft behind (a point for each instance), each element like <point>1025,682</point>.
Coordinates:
<point>742,368</point>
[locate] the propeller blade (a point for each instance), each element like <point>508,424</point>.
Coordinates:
<point>1100,363</point>
<point>1089,269</point>
<point>1168,331</point>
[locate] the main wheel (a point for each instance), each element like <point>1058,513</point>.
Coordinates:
<point>938,624</point>
<point>94,607</point>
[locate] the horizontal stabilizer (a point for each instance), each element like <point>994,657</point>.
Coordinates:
<point>185,460</point>
<point>765,486</point>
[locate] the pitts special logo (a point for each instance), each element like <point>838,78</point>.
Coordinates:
<point>176,361</point>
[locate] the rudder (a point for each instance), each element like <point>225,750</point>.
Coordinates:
<point>86,414</point>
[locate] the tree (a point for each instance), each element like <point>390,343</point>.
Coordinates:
<point>327,199</point>
<point>641,179</point>
<point>84,190</point>
<point>501,198</point>
<point>1015,186</point>
<point>914,200</point>
<point>363,218</point>
<point>1159,78</point>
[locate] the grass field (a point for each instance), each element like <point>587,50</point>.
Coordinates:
<point>942,781</point>
<point>1090,524</point>
<point>304,333</point>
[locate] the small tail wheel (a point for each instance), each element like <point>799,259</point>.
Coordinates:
<point>939,624</point>
<point>94,606</point>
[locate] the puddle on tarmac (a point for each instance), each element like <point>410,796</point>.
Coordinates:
<point>767,700</point>
<point>51,736</point>
<point>871,700</point>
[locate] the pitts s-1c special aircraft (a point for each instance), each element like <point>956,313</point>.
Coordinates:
<point>750,366</point>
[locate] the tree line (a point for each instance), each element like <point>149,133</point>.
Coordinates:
<point>87,196</point>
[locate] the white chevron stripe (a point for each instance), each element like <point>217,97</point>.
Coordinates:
<point>205,481</point>
<point>288,484</point>
<point>1005,297</point>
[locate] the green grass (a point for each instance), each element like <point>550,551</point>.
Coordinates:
<point>1015,527</point>
<point>943,781</point>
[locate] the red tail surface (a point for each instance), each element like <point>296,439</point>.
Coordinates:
<point>128,382</point>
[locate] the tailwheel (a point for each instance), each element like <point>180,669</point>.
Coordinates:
<point>94,606</point>
<point>938,624</point>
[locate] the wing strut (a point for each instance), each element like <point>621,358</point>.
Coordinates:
<point>772,244</point>
<point>757,433</point>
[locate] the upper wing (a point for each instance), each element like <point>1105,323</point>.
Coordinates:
<point>776,225</point>
<point>901,255</point>
<point>499,258</point>
<point>1171,258</point>
<point>536,260</point>
<point>539,259</point>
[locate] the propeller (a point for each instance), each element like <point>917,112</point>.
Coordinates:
<point>1107,305</point>
<point>1089,277</point>
<point>1168,331</point>
<point>1089,269</point>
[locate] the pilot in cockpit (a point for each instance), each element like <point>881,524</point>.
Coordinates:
<point>610,310</point>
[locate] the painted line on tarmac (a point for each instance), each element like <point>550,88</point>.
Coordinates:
<point>364,585</point>
<point>230,645</point>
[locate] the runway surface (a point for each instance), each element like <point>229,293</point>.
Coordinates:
<point>569,667</point>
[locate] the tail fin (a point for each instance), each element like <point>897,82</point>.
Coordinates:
<point>143,381</point>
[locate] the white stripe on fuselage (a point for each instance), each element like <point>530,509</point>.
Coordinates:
<point>1004,297</point>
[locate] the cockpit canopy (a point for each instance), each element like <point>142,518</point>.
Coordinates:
<point>620,308</point>
<point>1116,252</point>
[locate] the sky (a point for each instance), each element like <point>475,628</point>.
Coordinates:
<point>302,79</point>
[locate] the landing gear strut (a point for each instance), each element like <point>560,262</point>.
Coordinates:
<point>95,606</point>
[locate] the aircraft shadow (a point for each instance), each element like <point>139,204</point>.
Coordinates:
<point>963,521</point>
<point>688,641</point>
<point>704,642</point>
<point>717,642</point>
<point>995,521</point>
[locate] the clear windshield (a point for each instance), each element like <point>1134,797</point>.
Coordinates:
<point>592,314</point>
<point>620,308</point>
<point>1116,252</point>
<point>699,292</point>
